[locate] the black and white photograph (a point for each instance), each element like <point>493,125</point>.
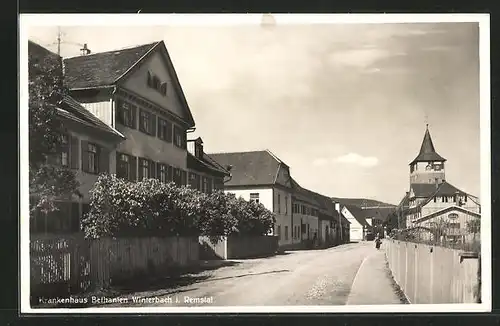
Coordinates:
<point>255,163</point>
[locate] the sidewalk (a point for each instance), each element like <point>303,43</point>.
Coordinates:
<point>372,284</point>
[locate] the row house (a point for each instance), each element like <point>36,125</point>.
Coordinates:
<point>301,215</point>
<point>262,177</point>
<point>133,94</point>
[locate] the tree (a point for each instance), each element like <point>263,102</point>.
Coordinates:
<point>439,229</point>
<point>474,227</point>
<point>47,181</point>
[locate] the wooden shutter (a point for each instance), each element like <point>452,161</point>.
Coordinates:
<point>133,168</point>
<point>149,79</point>
<point>158,128</point>
<point>152,169</point>
<point>74,158</point>
<point>75,217</point>
<point>85,155</point>
<point>169,131</point>
<point>158,170</point>
<point>103,159</point>
<point>153,124</point>
<point>133,109</point>
<point>141,175</point>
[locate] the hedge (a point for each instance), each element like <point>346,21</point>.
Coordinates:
<point>121,208</point>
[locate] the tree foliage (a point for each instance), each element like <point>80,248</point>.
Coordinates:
<point>47,181</point>
<point>121,208</point>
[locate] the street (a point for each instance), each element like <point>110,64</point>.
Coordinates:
<point>348,274</point>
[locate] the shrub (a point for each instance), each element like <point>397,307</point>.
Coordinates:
<point>122,208</point>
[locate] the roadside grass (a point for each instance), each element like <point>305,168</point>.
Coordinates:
<point>395,286</point>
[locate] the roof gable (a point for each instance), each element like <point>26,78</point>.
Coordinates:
<point>427,151</point>
<point>357,213</point>
<point>249,168</point>
<point>119,67</point>
<point>446,210</point>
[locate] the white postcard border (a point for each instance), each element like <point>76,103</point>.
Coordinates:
<point>27,20</point>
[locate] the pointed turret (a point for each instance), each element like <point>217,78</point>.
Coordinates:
<point>427,151</point>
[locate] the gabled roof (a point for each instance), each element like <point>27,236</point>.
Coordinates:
<point>106,69</point>
<point>205,163</point>
<point>71,109</point>
<point>68,107</point>
<point>424,189</point>
<point>427,151</point>
<point>445,210</point>
<point>254,168</point>
<point>358,214</point>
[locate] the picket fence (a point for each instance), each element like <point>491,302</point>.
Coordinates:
<point>71,264</point>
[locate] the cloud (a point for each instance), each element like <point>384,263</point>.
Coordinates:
<point>356,159</point>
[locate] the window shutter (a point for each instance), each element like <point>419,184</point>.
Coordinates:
<point>133,109</point>
<point>158,129</point>
<point>150,79</point>
<point>133,168</point>
<point>118,165</point>
<point>169,132</point>
<point>75,217</point>
<point>103,160</point>
<point>158,170</point>
<point>85,156</point>
<point>152,169</point>
<point>141,175</point>
<point>74,150</point>
<point>153,124</point>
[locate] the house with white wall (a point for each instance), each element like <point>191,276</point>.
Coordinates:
<point>358,224</point>
<point>262,177</point>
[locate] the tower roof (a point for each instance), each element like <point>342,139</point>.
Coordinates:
<point>427,151</point>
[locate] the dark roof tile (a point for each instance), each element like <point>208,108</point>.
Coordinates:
<point>102,69</point>
<point>427,152</point>
<point>249,168</point>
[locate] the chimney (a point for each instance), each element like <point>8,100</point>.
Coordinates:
<point>198,148</point>
<point>85,50</point>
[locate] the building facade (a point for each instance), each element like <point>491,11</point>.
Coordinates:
<point>137,92</point>
<point>262,177</point>
<point>87,146</point>
<point>432,202</point>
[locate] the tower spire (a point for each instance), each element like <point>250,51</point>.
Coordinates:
<point>427,151</point>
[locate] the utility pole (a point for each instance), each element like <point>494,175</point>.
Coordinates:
<point>59,41</point>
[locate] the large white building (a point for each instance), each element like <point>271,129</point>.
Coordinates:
<point>432,202</point>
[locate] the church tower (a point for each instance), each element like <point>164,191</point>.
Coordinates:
<point>428,166</point>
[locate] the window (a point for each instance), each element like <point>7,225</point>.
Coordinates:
<point>124,166</point>
<point>162,173</point>
<point>286,232</point>
<point>453,216</point>
<point>93,159</point>
<point>209,185</point>
<point>205,184</point>
<point>279,203</point>
<point>145,169</point>
<point>177,177</point>
<point>183,178</point>
<point>444,199</point>
<point>254,197</point>
<point>147,122</point>
<point>179,137</point>
<point>164,130</point>
<point>64,150</point>
<point>454,225</point>
<point>155,83</point>
<point>435,199</point>
<point>278,232</point>
<point>163,89</point>
<point>125,113</point>
<point>286,205</point>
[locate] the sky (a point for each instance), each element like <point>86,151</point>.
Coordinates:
<point>344,105</point>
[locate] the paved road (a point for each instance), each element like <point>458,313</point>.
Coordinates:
<point>318,277</point>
